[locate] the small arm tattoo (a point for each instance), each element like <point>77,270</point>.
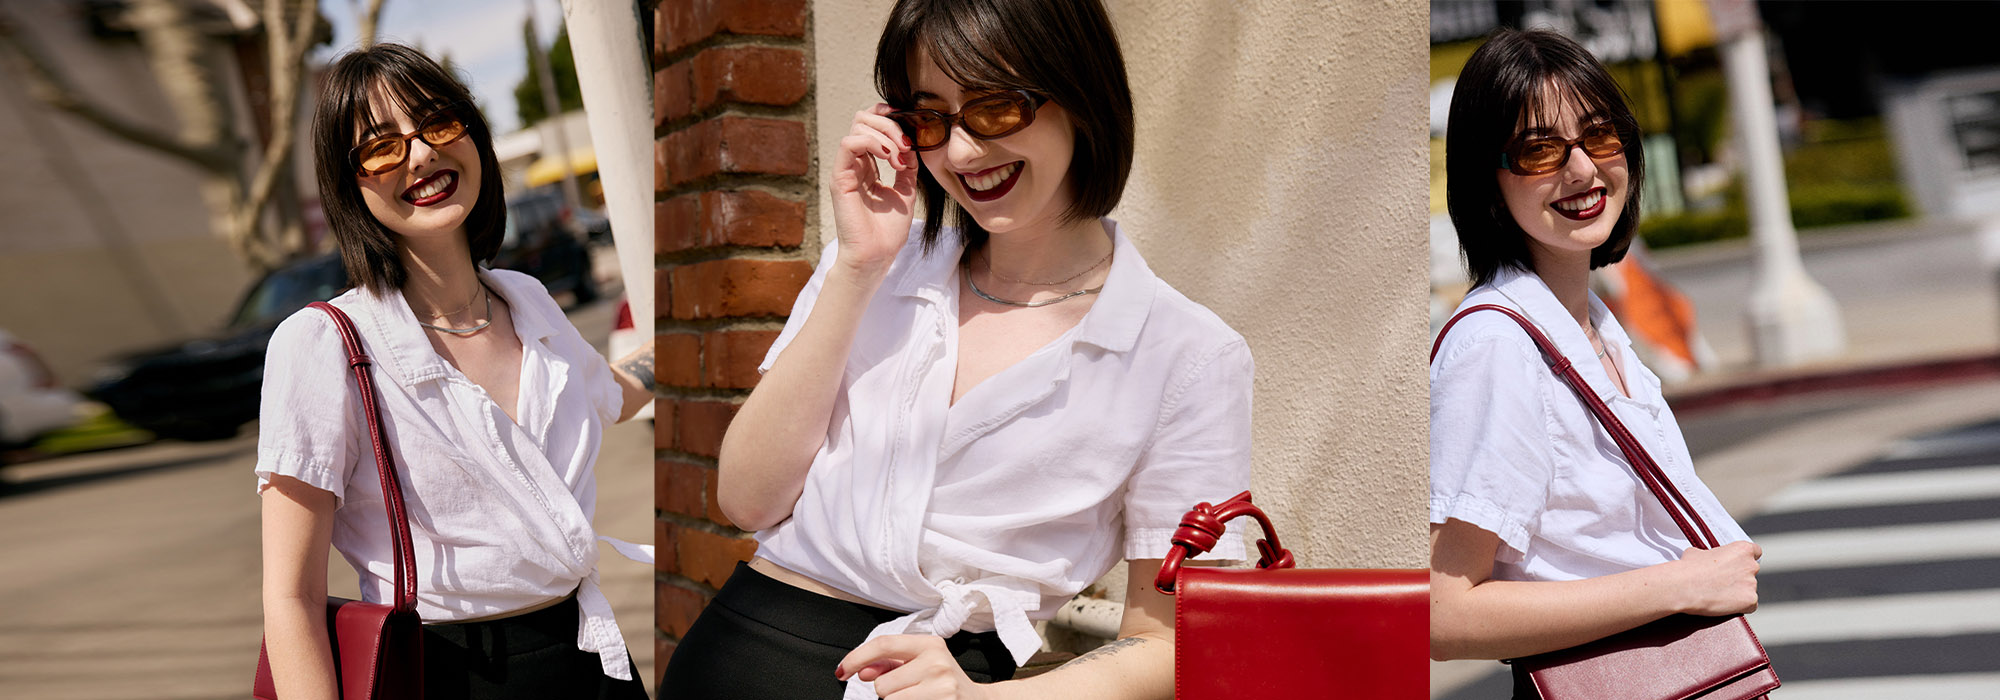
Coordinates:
<point>1107,650</point>
<point>640,366</point>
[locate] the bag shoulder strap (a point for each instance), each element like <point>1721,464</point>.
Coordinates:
<point>1642,463</point>
<point>392,489</point>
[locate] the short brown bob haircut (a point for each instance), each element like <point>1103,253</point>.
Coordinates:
<point>1519,80</point>
<point>1065,49</point>
<point>417,85</point>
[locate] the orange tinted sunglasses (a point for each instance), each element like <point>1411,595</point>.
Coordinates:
<point>390,151</point>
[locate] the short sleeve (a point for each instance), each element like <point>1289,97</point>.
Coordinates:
<point>802,307</point>
<point>305,426</point>
<point>1200,452</point>
<point>1492,459</point>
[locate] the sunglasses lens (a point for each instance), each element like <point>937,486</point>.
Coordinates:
<point>1602,141</point>
<point>925,129</point>
<point>996,116</point>
<point>1539,155</point>
<point>380,154</point>
<point>442,129</point>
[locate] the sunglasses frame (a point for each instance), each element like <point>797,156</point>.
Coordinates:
<point>1511,164</point>
<point>955,119</point>
<point>449,110</point>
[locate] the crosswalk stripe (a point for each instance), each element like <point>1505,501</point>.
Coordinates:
<point>1934,614</point>
<point>1927,486</point>
<point>1942,686</point>
<point>1898,544</point>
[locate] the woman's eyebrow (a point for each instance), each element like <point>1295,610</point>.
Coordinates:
<point>921,96</point>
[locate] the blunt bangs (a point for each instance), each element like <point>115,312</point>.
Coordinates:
<point>1515,81</point>
<point>414,85</point>
<point>1065,49</point>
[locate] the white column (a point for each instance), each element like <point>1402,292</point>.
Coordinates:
<point>1792,319</point>
<point>610,56</point>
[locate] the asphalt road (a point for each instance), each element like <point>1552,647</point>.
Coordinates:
<point>133,574</point>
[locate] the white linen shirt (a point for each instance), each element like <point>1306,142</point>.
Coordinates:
<point>1515,452</point>
<point>500,513</point>
<point>996,510</point>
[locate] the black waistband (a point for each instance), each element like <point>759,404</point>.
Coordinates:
<point>555,624</point>
<point>816,617</point>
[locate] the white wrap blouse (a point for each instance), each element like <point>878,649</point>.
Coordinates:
<point>1515,452</point>
<point>500,512</point>
<point>988,513</point>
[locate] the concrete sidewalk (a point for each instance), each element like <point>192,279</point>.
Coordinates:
<point>1911,293</point>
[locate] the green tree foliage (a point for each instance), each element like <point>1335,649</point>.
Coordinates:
<point>528,92</point>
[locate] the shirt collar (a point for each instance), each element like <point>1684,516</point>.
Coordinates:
<point>1113,322</point>
<point>398,344</point>
<point>1535,299</point>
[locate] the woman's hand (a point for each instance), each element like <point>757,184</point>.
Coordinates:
<point>1719,581</point>
<point>873,220</point>
<point>910,667</point>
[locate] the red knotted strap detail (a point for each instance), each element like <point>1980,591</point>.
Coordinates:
<point>1202,527</point>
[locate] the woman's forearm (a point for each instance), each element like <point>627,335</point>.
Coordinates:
<point>295,640</point>
<point>1511,619</point>
<point>1132,668</point>
<point>771,441</point>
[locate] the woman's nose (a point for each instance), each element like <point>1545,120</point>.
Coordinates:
<point>962,148</point>
<point>421,154</point>
<point>1580,166</point>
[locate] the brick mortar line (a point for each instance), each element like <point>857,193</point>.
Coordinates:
<point>726,39</point>
<point>775,185</point>
<point>735,109</point>
<point>702,524</point>
<point>671,326</point>
<point>793,185</point>
<point>692,393</point>
<point>696,256</point>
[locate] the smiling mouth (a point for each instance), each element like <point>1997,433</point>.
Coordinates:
<point>433,189</point>
<point>1581,207</point>
<point>991,183</point>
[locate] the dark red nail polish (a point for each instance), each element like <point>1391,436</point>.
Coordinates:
<point>840,672</point>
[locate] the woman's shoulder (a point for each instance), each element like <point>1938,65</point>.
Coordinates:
<point>311,325</point>
<point>1192,321</point>
<point>1486,337</point>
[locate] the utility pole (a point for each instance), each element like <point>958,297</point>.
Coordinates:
<point>611,70</point>
<point>552,125</point>
<point>1792,319</point>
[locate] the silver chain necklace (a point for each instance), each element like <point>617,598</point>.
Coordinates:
<point>1025,304</point>
<point>468,331</point>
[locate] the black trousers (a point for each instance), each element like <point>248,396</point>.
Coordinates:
<point>524,657</point>
<point>762,639</point>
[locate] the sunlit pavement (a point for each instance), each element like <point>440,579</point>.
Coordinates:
<point>133,574</point>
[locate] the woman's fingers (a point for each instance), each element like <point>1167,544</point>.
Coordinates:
<point>885,136</point>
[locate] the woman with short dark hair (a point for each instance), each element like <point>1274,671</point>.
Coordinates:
<point>971,417</point>
<point>1542,536</point>
<point>493,404</point>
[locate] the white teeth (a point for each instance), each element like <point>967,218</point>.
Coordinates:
<point>991,180</point>
<point>1581,204</point>
<point>434,187</point>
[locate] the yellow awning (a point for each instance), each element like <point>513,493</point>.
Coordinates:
<point>549,170</point>
<point>1684,25</point>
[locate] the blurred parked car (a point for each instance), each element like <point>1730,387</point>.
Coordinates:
<point>623,340</point>
<point>31,403</point>
<point>206,388</point>
<point>542,240</point>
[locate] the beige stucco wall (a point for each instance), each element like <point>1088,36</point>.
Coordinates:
<point>1279,180</point>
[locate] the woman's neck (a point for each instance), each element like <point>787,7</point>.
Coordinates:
<point>1568,276</point>
<point>441,276</point>
<point>1050,253</point>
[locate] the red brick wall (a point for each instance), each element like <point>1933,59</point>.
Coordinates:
<point>734,186</point>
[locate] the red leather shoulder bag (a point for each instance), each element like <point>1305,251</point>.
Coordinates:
<point>377,647</point>
<point>1282,632</point>
<point>1679,656</point>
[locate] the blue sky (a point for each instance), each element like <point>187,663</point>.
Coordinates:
<point>482,37</point>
